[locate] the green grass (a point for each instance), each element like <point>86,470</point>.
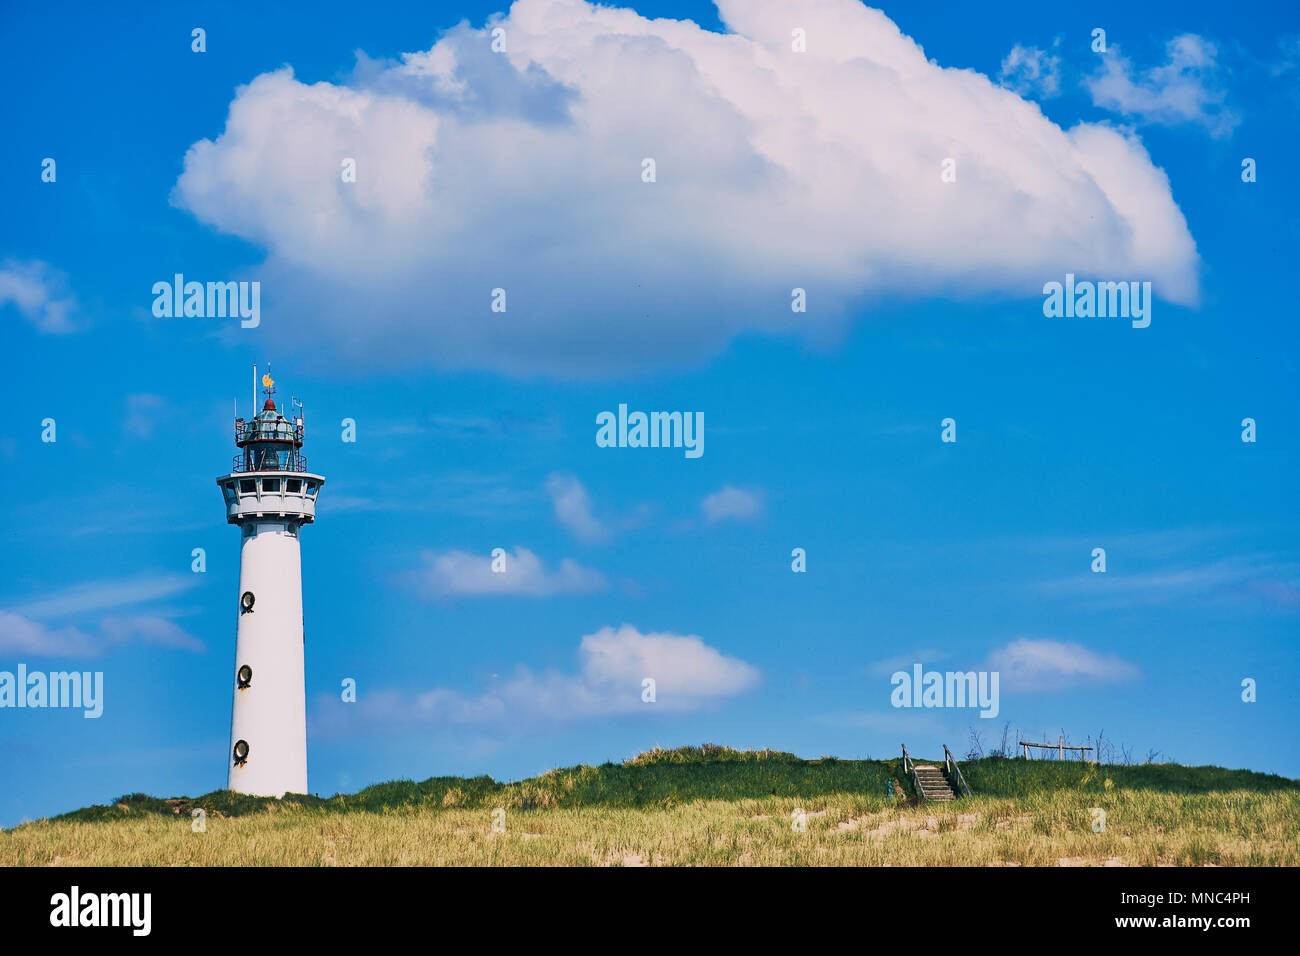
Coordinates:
<point>708,806</point>
<point>662,778</point>
<point>667,778</point>
<point>1015,777</point>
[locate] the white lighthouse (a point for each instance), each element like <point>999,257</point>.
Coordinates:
<point>270,494</point>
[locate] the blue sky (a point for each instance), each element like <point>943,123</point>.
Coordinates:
<point>476,430</point>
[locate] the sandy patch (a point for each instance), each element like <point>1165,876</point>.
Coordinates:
<point>885,824</point>
<point>1089,861</point>
<point>1017,821</point>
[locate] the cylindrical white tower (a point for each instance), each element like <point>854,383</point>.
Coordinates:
<point>270,494</point>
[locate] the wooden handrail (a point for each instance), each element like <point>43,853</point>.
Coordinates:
<point>950,762</point>
<point>910,765</point>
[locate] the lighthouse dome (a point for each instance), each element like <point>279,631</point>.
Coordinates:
<point>270,425</point>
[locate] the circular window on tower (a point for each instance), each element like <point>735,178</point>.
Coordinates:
<point>245,676</point>
<point>246,601</point>
<point>241,752</point>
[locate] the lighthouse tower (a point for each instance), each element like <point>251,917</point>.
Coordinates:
<point>270,495</point>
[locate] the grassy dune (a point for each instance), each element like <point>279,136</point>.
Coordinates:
<point>708,806</point>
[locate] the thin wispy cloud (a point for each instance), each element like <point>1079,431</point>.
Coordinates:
<point>462,493</point>
<point>98,506</point>
<point>36,638</point>
<point>23,635</point>
<point>1288,48</point>
<point>1250,578</point>
<point>498,425</point>
<point>1163,543</point>
<point>893,722</point>
<point>101,595</point>
<point>31,627</point>
<point>148,629</point>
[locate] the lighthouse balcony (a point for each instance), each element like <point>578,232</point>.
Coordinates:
<point>269,458</point>
<point>253,495</point>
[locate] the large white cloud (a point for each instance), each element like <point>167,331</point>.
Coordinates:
<point>775,169</point>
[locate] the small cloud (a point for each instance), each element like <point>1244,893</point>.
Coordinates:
<point>1289,55</point>
<point>1184,90</point>
<point>142,414</point>
<point>1035,665</point>
<point>904,662</point>
<point>735,504</point>
<point>573,508</point>
<point>39,292</point>
<point>1030,71</point>
<point>460,574</point>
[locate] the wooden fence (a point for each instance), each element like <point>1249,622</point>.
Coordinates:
<point>1060,747</point>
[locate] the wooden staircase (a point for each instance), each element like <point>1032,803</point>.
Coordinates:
<point>933,783</point>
